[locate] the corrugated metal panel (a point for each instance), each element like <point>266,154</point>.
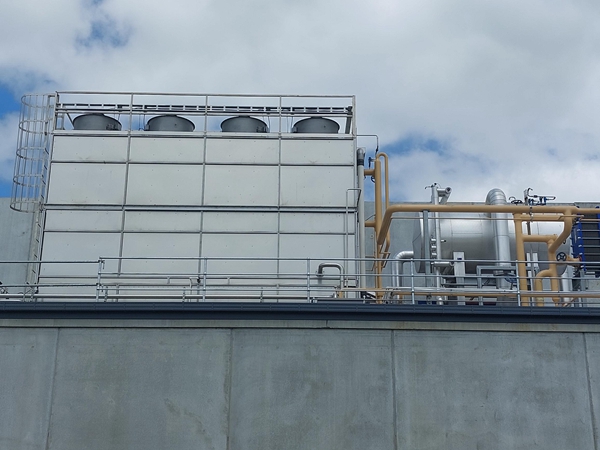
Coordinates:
<point>164,184</point>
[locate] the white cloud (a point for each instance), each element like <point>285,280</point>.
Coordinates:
<point>511,85</point>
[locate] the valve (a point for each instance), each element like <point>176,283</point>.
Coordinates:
<point>536,200</point>
<point>561,256</point>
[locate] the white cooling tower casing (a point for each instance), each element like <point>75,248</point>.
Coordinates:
<point>473,234</point>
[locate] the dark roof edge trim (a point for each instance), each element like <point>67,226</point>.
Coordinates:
<point>310,311</point>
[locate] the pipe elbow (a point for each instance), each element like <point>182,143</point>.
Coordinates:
<point>496,196</point>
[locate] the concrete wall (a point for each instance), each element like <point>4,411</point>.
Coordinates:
<point>295,385</point>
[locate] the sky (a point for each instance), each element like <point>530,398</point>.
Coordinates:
<point>469,94</point>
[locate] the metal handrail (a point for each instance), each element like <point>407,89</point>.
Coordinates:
<point>100,282</point>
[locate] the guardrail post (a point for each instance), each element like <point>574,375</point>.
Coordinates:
<point>412,280</point>
<point>99,279</point>
<point>518,288</point>
<point>205,263</point>
<point>308,280</point>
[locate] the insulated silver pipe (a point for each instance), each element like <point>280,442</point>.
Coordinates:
<point>398,266</point>
<point>500,226</point>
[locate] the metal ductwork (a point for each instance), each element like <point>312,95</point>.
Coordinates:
<point>244,124</point>
<point>170,123</point>
<point>96,122</point>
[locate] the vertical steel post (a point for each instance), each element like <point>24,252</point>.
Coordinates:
<point>412,280</point>
<point>360,158</point>
<point>308,280</point>
<point>427,245</point>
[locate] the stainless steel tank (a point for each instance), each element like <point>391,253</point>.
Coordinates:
<point>169,123</point>
<point>98,122</point>
<point>244,124</point>
<point>473,234</point>
<point>316,125</point>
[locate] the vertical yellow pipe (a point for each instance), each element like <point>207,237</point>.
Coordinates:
<point>378,219</point>
<point>378,202</point>
<point>387,194</point>
<point>521,267</point>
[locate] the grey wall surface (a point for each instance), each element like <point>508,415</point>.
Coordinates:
<point>15,238</point>
<point>288,387</point>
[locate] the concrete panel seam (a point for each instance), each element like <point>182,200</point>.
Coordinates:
<point>394,391</point>
<point>589,387</point>
<point>229,387</point>
<point>50,403</point>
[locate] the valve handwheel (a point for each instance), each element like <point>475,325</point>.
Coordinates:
<point>561,256</point>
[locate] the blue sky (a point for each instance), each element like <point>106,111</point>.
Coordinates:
<point>8,104</point>
<point>468,94</point>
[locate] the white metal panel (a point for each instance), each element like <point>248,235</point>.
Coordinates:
<point>240,222</point>
<point>164,184</point>
<point>86,184</point>
<point>316,223</point>
<point>77,247</point>
<point>162,221</point>
<point>240,245</point>
<point>241,185</point>
<point>166,149</point>
<point>167,245</point>
<point>317,186</point>
<point>57,220</point>
<point>317,151</point>
<point>88,148</point>
<point>68,289</point>
<point>232,151</point>
<point>319,248</point>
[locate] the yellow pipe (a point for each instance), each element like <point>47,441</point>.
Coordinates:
<point>378,197</point>
<point>520,212</point>
<point>376,223</point>
<point>553,242</point>
<point>545,238</point>
<point>521,264</point>
<point>385,158</point>
<point>541,217</point>
<point>538,286</point>
<point>568,221</point>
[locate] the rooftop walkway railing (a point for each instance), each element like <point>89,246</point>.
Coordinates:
<point>299,280</point>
